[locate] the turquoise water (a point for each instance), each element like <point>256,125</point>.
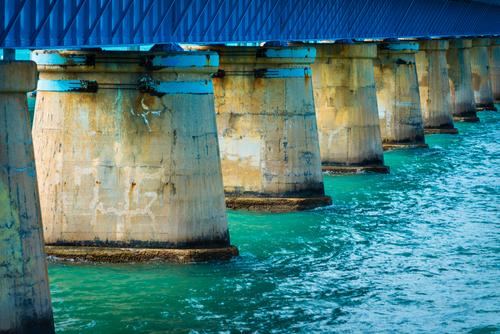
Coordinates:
<point>414,251</point>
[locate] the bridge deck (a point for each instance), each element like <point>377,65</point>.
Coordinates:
<point>71,23</point>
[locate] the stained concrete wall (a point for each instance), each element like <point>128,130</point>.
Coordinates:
<point>398,95</point>
<point>459,70</point>
<point>346,105</point>
<point>433,81</point>
<point>495,68</point>
<point>25,305</point>
<point>267,123</point>
<point>121,167</point>
<point>481,84</point>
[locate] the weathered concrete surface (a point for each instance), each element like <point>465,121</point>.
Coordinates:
<point>346,108</point>
<point>459,71</point>
<point>267,129</point>
<point>120,255</point>
<point>495,68</point>
<point>129,167</point>
<point>398,97</point>
<point>481,83</point>
<point>434,86</point>
<point>25,305</point>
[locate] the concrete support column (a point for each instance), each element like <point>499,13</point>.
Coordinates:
<point>495,68</point>
<point>459,70</point>
<point>267,129</point>
<point>128,158</point>
<point>481,83</point>
<point>25,305</point>
<point>346,106</point>
<point>398,98</point>
<point>433,81</point>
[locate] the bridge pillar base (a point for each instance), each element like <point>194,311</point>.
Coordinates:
<point>442,130</point>
<point>468,119</point>
<point>481,82</point>
<point>433,80</point>
<point>484,107</point>
<point>267,129</point>
<point>124,255</point>
<point>398,98</point>
<point>276,204</point>
<point>25,305</point>
<point>353,169</point>
<point>459,70</point>
<point>346,106</point>
<point>402,146</point>
<point>128,154</point>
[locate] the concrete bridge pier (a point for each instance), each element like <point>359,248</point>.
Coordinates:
<point>480,67</point>
<point>398,97</point>
<point>128,158</point>
<point>495,68</point>
<point>346,107</point>
<point>433,81</point>
<point>25,305</point>
<point>267,129</point>
<point>459,70</point>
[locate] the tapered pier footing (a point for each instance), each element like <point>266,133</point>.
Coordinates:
<point>25,305</point>
<point>459,70</point>
<point>481,82</point>
<point>433,80</point>
<point>127,150</point>
<point>346,106</point>
<point>398,98</point>
<point>267,128</point>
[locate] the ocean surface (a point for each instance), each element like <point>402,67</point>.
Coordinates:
<point>415,251</point>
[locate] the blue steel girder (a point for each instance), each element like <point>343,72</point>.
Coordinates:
<point>89,23</point>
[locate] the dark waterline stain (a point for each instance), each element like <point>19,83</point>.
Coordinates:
<point>416,250</point>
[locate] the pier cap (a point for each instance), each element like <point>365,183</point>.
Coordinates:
<point>126,61</point>
<point>481,42</point>
<point>434,45</point>
<point>346,50</point>
<point>495,41</point>
<point>23,71</point>
<point>403,47</point>
<point>300,55</point>
<point>460,43</point>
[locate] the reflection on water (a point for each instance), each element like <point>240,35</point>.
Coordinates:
<point>413,251</point>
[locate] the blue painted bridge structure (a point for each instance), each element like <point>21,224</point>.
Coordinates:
<point>75,23</point>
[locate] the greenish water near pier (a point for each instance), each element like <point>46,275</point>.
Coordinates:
<point>414,251</point>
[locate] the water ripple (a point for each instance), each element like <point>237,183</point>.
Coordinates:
<point>416,251</point>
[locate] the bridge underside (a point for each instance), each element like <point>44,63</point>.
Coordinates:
<point>77,23</point>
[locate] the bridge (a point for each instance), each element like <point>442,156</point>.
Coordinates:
<point>239,104</point>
